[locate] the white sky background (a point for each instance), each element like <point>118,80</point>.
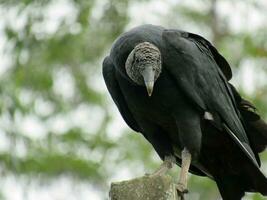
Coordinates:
<point>243,18</point>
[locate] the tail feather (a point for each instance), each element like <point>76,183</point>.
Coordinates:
<point>228,188</point>
<point>259,182</point>
<point>256,128</point>
<point>234,187</point>
<point>249,178</point>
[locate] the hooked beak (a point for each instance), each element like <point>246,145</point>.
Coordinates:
<point>148,75</point>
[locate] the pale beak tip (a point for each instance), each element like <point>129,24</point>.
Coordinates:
<point>149,87</point>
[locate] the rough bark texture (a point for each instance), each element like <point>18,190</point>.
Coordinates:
<point>144,188</point>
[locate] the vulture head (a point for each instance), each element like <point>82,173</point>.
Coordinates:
<point>143,65</point>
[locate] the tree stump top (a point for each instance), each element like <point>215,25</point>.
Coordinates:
<point>144,188</point>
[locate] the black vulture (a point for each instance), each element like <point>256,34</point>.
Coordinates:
<point>172,87</point>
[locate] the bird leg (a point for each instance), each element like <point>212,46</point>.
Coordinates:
<point>165,166</point>
<point>182,184</point>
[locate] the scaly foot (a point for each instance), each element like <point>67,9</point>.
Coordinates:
<point>181,190</point>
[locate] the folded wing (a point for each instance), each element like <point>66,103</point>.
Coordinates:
<point>193,66</point>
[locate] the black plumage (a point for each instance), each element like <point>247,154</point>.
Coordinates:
<point>192,107</point>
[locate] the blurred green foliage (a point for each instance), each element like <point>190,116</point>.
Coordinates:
<point>53,72</point>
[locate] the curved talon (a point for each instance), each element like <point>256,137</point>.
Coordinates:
<point>181,196</point>
<point>186,191</point>
<point>181,190</point>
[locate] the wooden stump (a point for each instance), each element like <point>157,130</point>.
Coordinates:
<point>144,188</point>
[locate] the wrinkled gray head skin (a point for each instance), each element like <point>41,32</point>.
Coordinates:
<point>143,65</point>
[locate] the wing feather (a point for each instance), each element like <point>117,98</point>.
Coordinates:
<point>203,82</point>
<point>116,94</point>
<point>220,60</point>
